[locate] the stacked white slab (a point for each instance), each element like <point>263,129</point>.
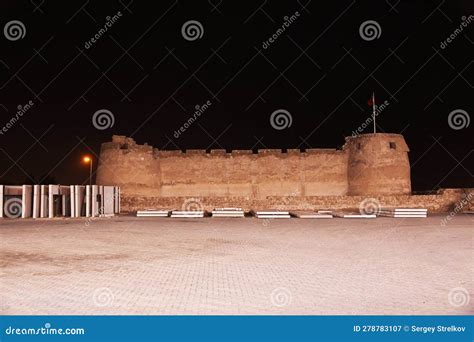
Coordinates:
<point>272,214</point>
<point>311,215</point>
<point>403,212</point>
<point>228,212</point>
<point>355,215</point>
<point>187,214</point>
<point>153,213</point>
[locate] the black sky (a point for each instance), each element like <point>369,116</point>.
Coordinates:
<point>320,70</point>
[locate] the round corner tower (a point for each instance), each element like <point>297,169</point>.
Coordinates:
<point>124,163</point>
<point>378,164</point>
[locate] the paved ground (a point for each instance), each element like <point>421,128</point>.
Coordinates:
<point>236,266</point>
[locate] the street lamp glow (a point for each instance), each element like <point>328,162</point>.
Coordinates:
<point>88,159</point>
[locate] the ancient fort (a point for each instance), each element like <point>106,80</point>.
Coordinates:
<point>368,165</point>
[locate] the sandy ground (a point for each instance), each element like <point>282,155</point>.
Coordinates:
<point>128,265</point>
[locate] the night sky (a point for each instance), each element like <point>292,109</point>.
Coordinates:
<point>150,76</point>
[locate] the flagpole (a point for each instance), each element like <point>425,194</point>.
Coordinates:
<point>373,110</point>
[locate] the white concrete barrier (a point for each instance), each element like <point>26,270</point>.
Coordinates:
<point>310,215</point>
<point>65,193</point>
<point>94,201</point>
<point>272,214</point>
<point>27,201</point>
<point>79,193</point>
<point>1,200</point>
<point>36,201</point>
<point>88,201</point>
<point>53,190</point>
<point>117,200</point>
<point>109,201</point>
<point>49,201</point>
<point>44,201</point>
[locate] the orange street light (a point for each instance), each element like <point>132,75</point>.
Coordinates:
<point>88,159</point>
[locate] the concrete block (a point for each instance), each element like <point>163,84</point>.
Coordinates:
<point>1,200</point>
<point>36,201</point>
<point>27,201</point>
<point>73,200</point>
<point>109,200</point>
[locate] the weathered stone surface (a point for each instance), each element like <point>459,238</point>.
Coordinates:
<point>445,200</point>
<point>369,164</point>
<point>378,164</point>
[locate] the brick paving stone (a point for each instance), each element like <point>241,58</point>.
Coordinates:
<point>159,266</point>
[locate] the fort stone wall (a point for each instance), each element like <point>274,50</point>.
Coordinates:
<point>133,166</point>
<point>367,164</point>
<point>378,164</point>
<point>242,173</point>
<point>448,201</point>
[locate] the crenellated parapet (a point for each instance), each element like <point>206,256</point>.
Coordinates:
<point>367,164</point>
